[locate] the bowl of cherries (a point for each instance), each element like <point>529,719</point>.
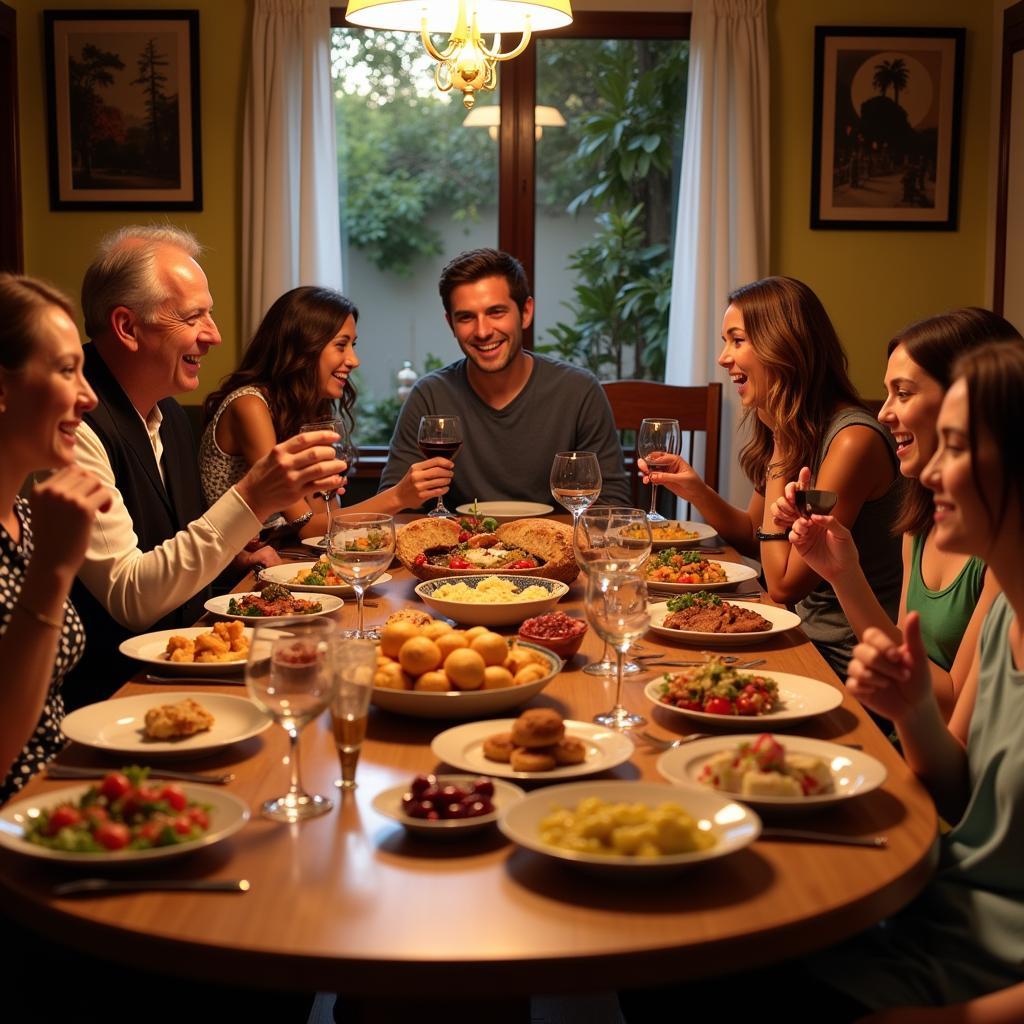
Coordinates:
<point>447,805</point>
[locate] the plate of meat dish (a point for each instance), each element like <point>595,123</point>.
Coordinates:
<point>680,572</point>
<point>275,603</point>
<point>705,619</point>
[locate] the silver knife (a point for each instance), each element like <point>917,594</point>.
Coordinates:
<point>212,680</point>
<point>99,886</point>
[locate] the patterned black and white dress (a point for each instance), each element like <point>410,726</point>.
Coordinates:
<point>47,740</point>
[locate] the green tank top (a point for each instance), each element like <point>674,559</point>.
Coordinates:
<point>944,613</point>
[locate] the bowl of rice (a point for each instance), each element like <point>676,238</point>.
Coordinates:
<point>491,600</point>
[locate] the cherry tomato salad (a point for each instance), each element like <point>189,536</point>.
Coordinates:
<point>718,689</point>
<point>123,812</point>
<point>672,566</point>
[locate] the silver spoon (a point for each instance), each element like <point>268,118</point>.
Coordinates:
<point>100,886</point>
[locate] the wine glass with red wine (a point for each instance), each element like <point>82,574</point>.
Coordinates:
<point>439,436</point>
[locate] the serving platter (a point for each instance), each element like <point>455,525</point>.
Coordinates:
<point>508,613</point>
<point>506,510</point>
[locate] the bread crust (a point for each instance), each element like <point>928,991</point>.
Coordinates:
<point>548,541</point>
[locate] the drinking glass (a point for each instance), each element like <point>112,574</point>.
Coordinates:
<point>617,609</point>
<point>576,481</point>
<point>360,546</point>
<point>290,676</point>
<point>656,440</point>
<point>355,664</point>
<point>439,436</point>
<point>343,449</point>
<point>610,537</point>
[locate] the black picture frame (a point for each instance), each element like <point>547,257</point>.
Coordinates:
<point>894,165</point>
<point>123,106</point>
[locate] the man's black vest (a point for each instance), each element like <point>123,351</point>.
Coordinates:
<point>157,513</point>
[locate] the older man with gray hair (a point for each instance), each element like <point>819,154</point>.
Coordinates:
<point>148,312</point>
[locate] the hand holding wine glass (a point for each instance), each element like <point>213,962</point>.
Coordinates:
<point>439,436</point>
<point>290,676</point>
<point>656,440</point>
<point>343,449</point>
<point>360,546</point>
<point>576,481</point>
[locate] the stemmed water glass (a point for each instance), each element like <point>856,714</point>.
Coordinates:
<point>290,676</point>
<point>360,547</point>
<point>355,665</point>
<point>609,537</point>
<point>617,609</point>
<point>576,481</point>
<point>344,448</point>
<point>439,436</point>
<point>656,440</point>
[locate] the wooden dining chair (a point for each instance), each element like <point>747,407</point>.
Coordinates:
<point>698,409</point>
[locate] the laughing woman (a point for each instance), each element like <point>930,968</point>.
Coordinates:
<point>952,592</point>
<point>43,395</point>
<point>782,353</point>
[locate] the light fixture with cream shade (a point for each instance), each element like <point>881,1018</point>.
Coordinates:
<point>489,117</point>
<point>467,63</point>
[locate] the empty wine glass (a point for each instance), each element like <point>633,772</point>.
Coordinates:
<point>575,481</point>
<point>360,547</point>
<point>617,609</point>
<point>344,448</point>
<point>607,538</point>
<point>290,676</point>
<point>439,436</point>
<point>656,440</point>
<point>356,661</point>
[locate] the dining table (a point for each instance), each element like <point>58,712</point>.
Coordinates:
<point>351,902</point>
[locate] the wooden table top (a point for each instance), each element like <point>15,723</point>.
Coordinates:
<point>350,902</point>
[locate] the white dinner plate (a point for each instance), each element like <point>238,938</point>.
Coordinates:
<point>465,703</point>
<point>463,747</point>
<point>152,649</point>
<point>227,815</point>
<point>320,543</point>
<point>781,619</point>
<point>854,773</point>
<point>389,803</point>
<point>117,725</point>
<point>702,530</point>
<point>736,572</point>
<point>506,509</point>
<point>733,825</point>
<point>800,697</point>
<point>219,606</point>
<point>284,574</point>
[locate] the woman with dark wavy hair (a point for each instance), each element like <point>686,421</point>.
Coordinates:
<point>784,357</point>
<point>951,592</point>
<point>296,370</point>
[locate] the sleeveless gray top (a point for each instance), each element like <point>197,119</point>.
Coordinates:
<point>880,556</point>
<point>220,471</point>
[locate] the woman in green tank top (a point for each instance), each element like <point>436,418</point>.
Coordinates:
<point>949,590</point>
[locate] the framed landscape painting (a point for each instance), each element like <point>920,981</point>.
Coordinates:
<point>886,128</point>
<point>123,93</point>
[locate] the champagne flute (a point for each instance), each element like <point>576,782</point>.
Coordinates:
<point>614,537</point>
<point>617,609</point>
<point>355,663</point>
<point>290,676</point>
<point>343,449</point>
<point>576,481</point>
<point>656,440</point>
<point>439,436</point>
<point>360,547</point>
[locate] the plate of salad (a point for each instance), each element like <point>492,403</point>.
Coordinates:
<point>122,819</point>
<point>677,571</point>
<point>313,578</point>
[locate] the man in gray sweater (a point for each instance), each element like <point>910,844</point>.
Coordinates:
<point>517,408</point>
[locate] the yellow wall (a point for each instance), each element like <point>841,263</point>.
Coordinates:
<point>59,245</point>
<point>874,282</point>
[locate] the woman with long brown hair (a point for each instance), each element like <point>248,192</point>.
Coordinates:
<point>296,370</point>
<point>782,353</point>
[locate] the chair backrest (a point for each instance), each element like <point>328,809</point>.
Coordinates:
<point>698,409</point>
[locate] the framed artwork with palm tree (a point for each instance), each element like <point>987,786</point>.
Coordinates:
<point>886,128</point>
<point>123,106</point>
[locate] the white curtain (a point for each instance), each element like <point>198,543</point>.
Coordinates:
<point>291,232</point>
<point>721,237</point>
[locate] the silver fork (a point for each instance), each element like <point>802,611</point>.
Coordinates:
<point>70,771</point>
<point>663,744</point>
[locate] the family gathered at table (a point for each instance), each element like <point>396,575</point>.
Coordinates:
<point>906,582</point>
